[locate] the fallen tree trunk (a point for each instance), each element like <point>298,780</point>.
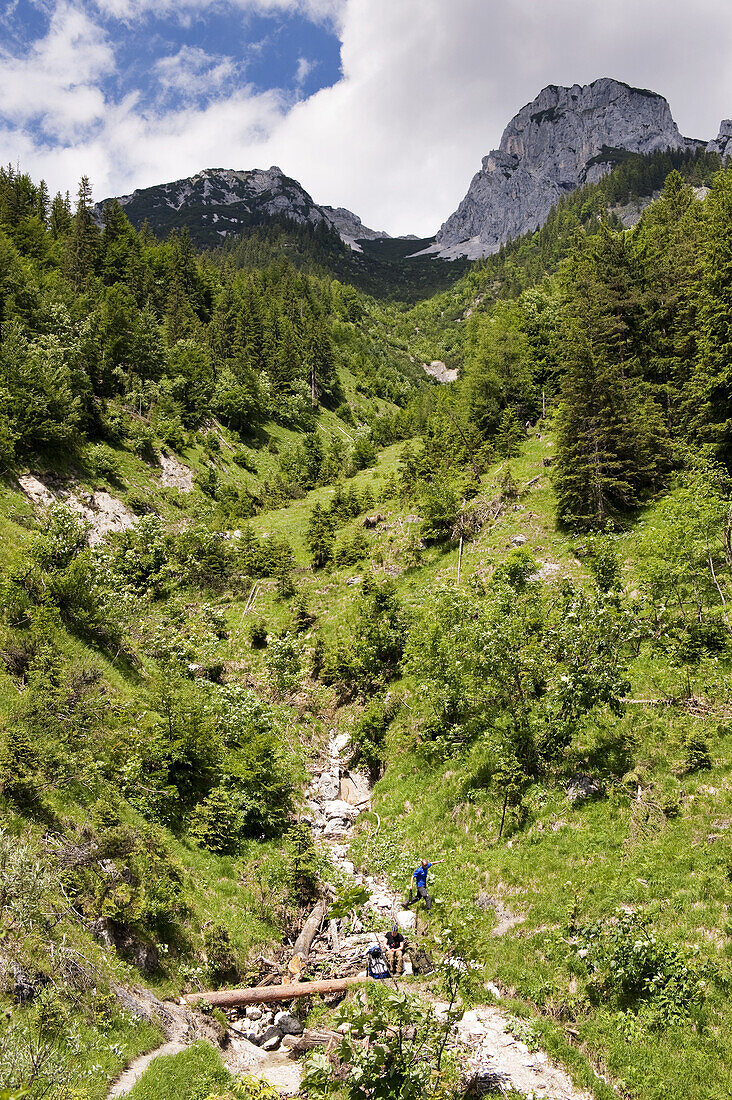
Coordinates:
<point>304,941</point>
<point>234,998</point>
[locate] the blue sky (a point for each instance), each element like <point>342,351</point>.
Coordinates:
<point>383,106</point>
<point>193,56</point>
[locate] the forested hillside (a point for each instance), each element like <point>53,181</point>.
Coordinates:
<point>237,518</point>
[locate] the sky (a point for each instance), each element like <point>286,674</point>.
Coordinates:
<point>382,106</point>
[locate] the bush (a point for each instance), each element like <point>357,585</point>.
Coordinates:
<point>369,733</point>
<point>63,537</point>
<point>244,459</point>
<point>284,662</point>
<point>402,1055</point>
<point>350,550</point>
<point>363,454</point>
<point>100,461</point>
<point>264,557</point>
<point>696,754</point>
<point>248,1088</point>
<point>205,557</point>
<point>628,962</point>
<point>257,633</point>
<point>372,652</point>
<point>223,965</point>
<point>218,822</point>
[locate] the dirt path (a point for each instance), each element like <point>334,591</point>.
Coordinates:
<point>493,1058</point>
<point>181,1029</point>
<point>135,1070</point>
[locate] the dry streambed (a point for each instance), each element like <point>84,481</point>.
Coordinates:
<point>268,1041</point>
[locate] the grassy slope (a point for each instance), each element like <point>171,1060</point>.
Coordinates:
<point>586,861</point>
<point>590,859</point>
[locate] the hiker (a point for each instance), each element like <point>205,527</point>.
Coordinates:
<point>395,950</point>
<point>376,967</point>
<point>420,881</point>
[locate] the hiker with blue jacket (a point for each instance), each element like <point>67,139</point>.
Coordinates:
<point>419,877</point>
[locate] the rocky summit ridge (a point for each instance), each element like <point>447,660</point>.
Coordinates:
<point>219,202</point>
<point>564,138</point>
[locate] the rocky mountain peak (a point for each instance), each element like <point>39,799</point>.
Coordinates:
<point>723,142</point>
<point>566,137</point>
<point>217,202</point>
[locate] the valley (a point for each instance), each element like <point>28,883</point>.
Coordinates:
<point>284,613</point>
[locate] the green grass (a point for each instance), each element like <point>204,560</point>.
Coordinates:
<point>194,1074</point>
<point>563,863</point>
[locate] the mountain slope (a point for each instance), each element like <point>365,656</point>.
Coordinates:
<point>563,139</point>
<point>218,202</point>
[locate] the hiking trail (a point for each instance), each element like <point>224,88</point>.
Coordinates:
<point>494,1059</point>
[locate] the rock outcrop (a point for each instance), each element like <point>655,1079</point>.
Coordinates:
<point>221,201</point>
<point>565,138</point>
<point>350,227</point>
<point>723,143</point>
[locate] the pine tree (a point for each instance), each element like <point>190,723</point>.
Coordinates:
<point>321,537</point>
<point>668,238</point>
<point>60,216</point>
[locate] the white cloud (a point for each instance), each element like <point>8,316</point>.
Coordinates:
<point>427,88</point>
<point>429,85</point>
<point>192,73</point>
<point>303,71</point>
<point>322,11</point>
<point>57,81</point>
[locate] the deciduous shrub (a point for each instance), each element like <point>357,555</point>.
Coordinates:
<point>630,963</point>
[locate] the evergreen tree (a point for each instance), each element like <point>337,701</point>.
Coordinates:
<point>320,536</point>
<point>60,217</point>
<point>85,238</point>
<point>611,440</point>
<point>713,379</point>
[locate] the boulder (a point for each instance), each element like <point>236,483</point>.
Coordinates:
<point>581,788</point>
<point>288,1024</point>
<point>470,1028</point>
<point>343,811</point>
<point>354,789</point>
<point>328,786</point>
<point>339,743</point>
<point>271,1039</point>
<point>242,1056</point>
<point>407,920</point>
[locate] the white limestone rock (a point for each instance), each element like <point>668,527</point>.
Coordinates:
<point>350,228</point>
<point>337,808</point>
<point>723,142</point>
<point>565,138</point>
<point>406,920</point>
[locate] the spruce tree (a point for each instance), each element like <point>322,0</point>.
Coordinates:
<point>85,238</point>
<point>612,446</point>
<point>712,387</point>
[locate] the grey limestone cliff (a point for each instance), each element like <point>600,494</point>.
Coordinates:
<point>350,227</point>
<point>723,142</point>
<point>218,202</point>
<point>565,138</point>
